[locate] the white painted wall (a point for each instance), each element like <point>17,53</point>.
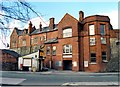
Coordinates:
<point>35,61</point>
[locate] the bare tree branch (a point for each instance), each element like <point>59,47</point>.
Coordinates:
<point>9,11</point>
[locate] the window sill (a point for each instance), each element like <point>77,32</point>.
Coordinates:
<point>54,55</point>
<point>92,63</point>
<point>104,61</point>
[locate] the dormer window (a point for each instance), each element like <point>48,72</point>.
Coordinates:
<point>67,32</point>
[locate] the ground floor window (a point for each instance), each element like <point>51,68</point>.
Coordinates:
<point>93,57</point>
<point>54,50</point>
<point>104,56</point>
<point>48,50</point>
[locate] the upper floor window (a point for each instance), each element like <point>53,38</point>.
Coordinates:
<point>93,57</point>
<point>44,38</point>
<point>67,32</point>
<point>67,49</point>
<point>103,40</point>
<point>35,39</point>
<point>48,50</point>
<point>54,50</point>
<point>91,30</point>
<point>32,40</point>
<point>92,41</point>
<point>24,42</point>
<point>102,29</point>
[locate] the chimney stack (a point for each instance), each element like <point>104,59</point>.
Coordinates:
<point>51,25</point>
<point>40,26</point>
<point>30,27</point>
<point>81,15</point>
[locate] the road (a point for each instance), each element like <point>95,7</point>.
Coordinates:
<point>59,78</point>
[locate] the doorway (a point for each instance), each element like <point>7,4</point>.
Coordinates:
<point>67,65</point>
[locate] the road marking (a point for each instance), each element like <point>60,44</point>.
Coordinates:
<point>90,83</point>
<point>13,81</point>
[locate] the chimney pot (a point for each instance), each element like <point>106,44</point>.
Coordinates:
<point>40,26</point>
<point>51,25</point>
<point>30,27</point>
<point>81,15</point>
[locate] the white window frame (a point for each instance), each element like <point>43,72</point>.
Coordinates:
<point>67,32</point>
<point>54,50</point>
<point>67,49</point>
<point>24,42</point>
<point>103,40</point>
<point>91,29</point>
<point>92,41</point>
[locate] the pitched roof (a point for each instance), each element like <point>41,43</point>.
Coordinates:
<point>19,32</point>
<point>68,15</point>
<point>11,52</point>
<point>44,29</point>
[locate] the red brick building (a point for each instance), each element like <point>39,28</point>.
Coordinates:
<point>78,45</point>
<point>8,59</point>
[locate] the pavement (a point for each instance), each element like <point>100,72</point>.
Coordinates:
<point>70,72</point>
<point>90,83</point>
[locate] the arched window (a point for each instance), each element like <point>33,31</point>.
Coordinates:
<point>67,32</point>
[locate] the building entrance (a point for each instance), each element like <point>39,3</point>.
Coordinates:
<point>67,64</point>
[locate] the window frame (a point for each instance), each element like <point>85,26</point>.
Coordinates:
<point>104,55</point>
<point>91,29</point>
<point>103,40</point>
<point>35,40</point>
<point>102,30</point>
<point>54,50</point>
<point>48,50</point>
<point>67,34</point>
<point>24,42</point>
<point>67,50</point>
<point>92,41</point>
<point>91,57</point>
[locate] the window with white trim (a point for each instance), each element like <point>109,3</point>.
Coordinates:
<point>54,50</point>
<point>67,49</point>
<point>92,41</point>
<point>93,57</point>
<point>35,40</point>
<point>103,40</point>
<point>24,42</point>
<point>67,32</point>
<point>91,29</point>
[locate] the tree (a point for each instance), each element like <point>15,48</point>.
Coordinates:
<point>13,10</point>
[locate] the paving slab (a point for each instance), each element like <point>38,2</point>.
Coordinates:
<point>11,81</point>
